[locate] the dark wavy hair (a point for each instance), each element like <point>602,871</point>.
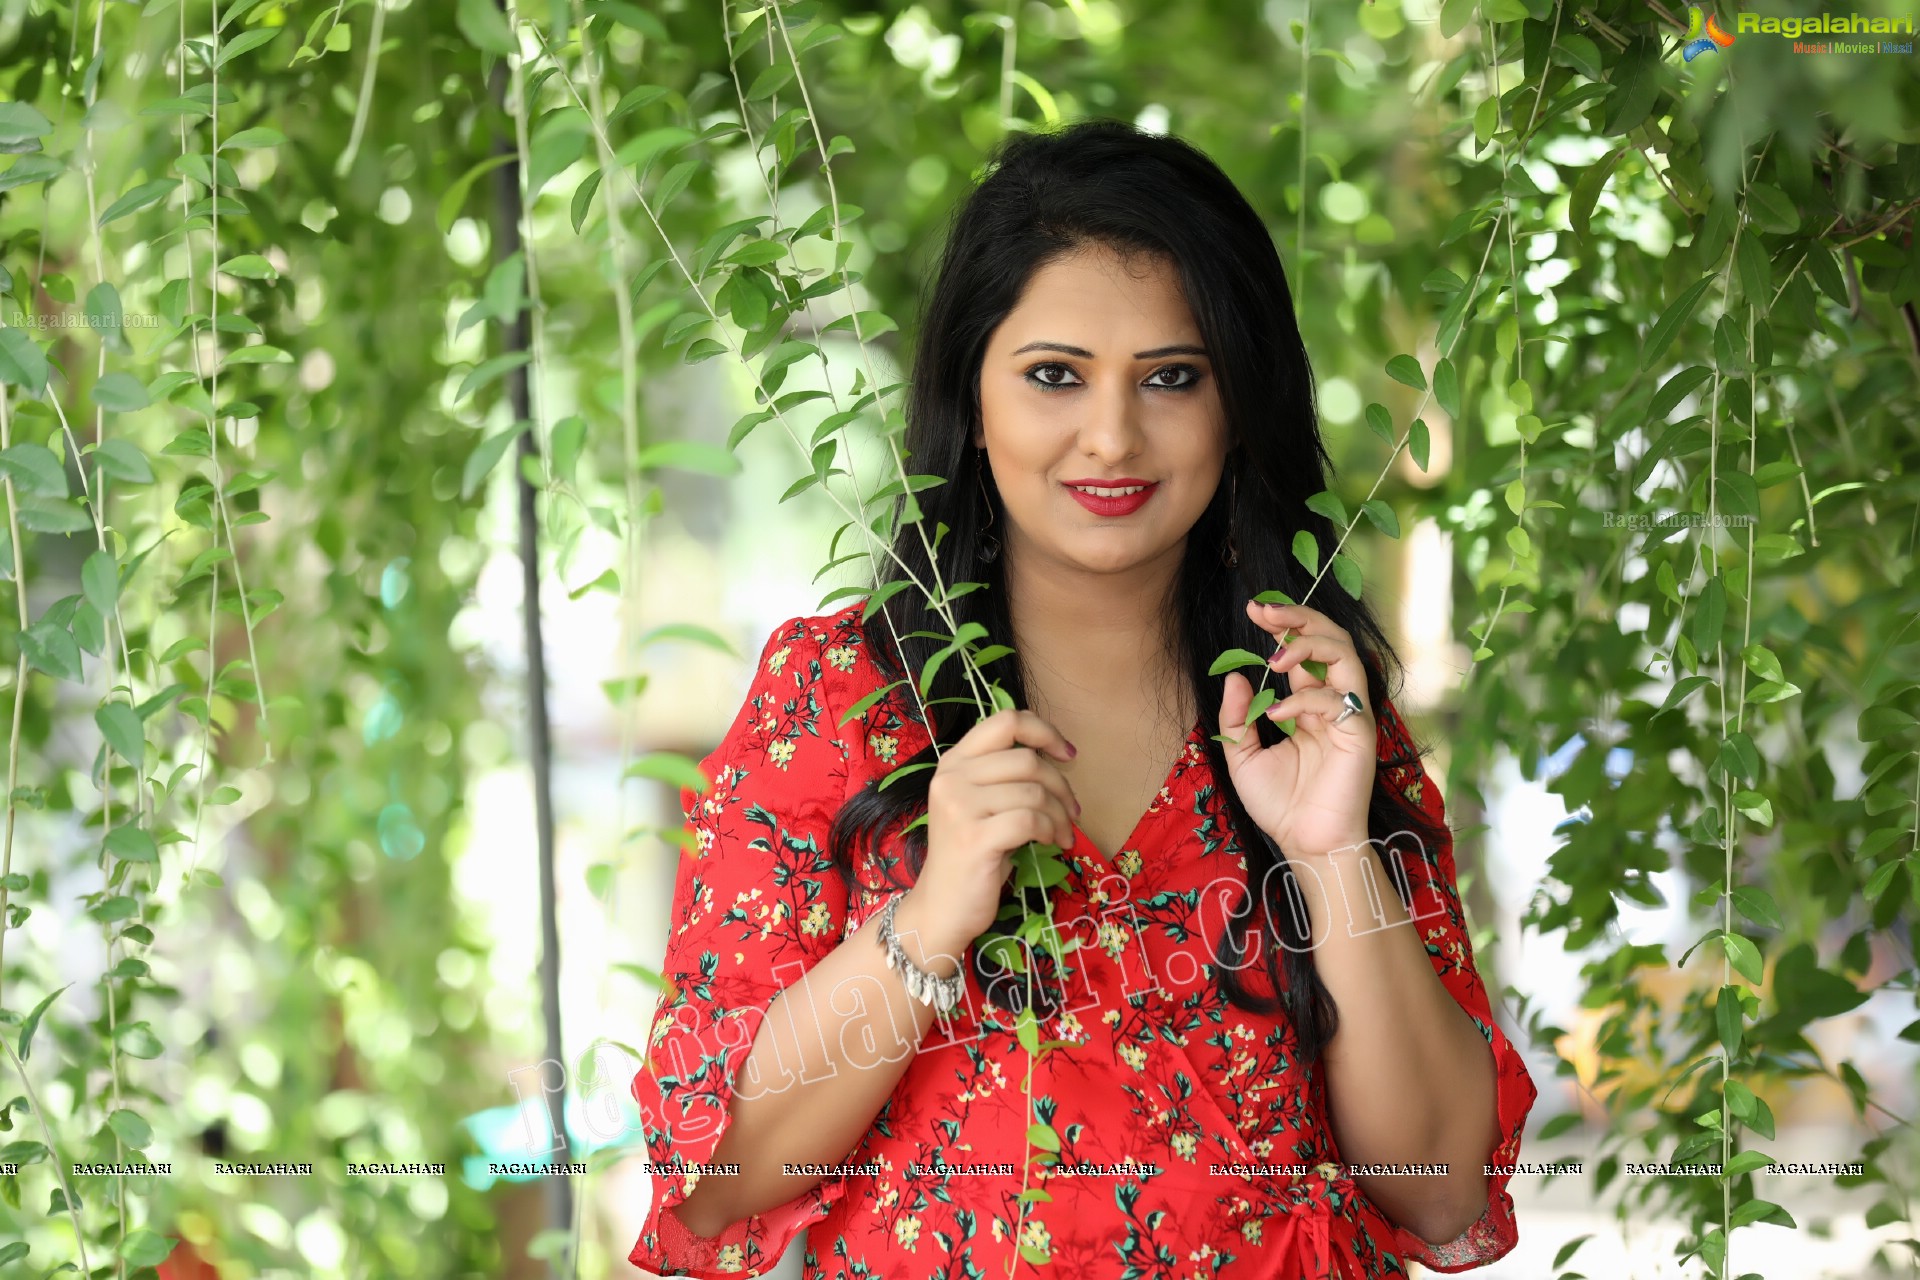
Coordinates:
<point>1105,183</point>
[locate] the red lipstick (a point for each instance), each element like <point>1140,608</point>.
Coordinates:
<point>1122,505</point>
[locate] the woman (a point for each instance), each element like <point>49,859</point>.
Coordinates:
<point>1111,379</point>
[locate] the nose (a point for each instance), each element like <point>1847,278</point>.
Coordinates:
<point>1112,430</point>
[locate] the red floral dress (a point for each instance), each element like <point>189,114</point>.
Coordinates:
<point>1165,1079</point>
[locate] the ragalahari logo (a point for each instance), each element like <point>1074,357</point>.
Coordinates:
<point>1704,34</point>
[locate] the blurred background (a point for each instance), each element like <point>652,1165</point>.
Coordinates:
<point>330,327</point>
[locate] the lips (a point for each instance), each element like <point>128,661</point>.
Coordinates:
<point>1118,502</point>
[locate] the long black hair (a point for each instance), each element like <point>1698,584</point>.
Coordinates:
<point>1104,183</point>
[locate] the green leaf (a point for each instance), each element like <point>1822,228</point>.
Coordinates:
<point>1328,504</point>
<point>137,1040</point>
<point>486,455</point>
<point>118,907</point>
<point>1772,209</point>
<point>1727,1019</point>
<point>1586,191</point>
<point>1235,658</point>
<point>245,42</point>
<point>1446,387</point>
<point>1744,956</point>
<point>1347,574</point>
<point>144,1248</point>
<point>132,843</point>
<point>248,139</point>
<point>123,461</point>
<point>51,648</point>
<point>1043,1137</point>
<point>1404,368</point>
<point>120,726</point>
<point>1710,615</point>
<point>22,126</point>
<point>1568,1249</point>
<point>1667,327</point>
<point>1757,905</point>
<point>1382,515</point>
<point>1380,422</point>
<point>120,392</point>
<point>23,363</point>
<point>140,197</point>
<point>770,81</point>
<point>1755,806</point>
<point>490,370</point>
<point>30,169</point>
<point>1676,389</point>
<point>27,1028</point>
<point>1419,443</point>
<point>670,767</point>
<point>456,195</point>
<point>130,1128</point>
<point>34,469</point>
<point>482,23</point>
<point>691,632</point>
<point>1306,550</point>
<point>249,266</point>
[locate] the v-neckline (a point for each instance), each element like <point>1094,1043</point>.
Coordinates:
<point>1130,840</point>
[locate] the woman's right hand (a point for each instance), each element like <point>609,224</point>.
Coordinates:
<point>994,792</point>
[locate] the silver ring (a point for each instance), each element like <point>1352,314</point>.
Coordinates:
<point>1350,705</point>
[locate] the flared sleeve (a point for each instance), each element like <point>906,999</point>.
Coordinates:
<point>756,905</point>
<point>1442,924</point>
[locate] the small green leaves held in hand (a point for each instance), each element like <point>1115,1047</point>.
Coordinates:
<point>1233,659</point>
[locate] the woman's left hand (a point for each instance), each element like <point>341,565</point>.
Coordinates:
<point>1310,791</point>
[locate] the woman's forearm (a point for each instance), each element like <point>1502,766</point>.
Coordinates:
<point>1409,1078</point>
<point>829,1052</point>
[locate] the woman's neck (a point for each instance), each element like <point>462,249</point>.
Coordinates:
<point>1093,647</point>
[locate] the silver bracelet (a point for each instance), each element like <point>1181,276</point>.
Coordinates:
<point>928,988</point>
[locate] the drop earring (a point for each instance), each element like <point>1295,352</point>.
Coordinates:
<point>989,544</point>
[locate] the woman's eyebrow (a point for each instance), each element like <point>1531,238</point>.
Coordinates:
<point>1084,354</point>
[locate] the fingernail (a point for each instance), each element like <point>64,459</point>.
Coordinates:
<point>1072,750</point>
<point>1076,808</point>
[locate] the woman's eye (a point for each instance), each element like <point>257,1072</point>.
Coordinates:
<point>1193,376</point>
<point>1040,376</point>
<point>1035,375</point>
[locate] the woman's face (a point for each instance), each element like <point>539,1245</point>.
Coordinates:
<point>1097,378</point>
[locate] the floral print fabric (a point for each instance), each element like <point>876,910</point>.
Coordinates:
<point>1162,1084</point>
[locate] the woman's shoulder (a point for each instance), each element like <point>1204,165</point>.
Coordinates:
<point>832,647</point>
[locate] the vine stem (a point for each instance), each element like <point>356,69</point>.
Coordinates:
<point>60,1164</point>
<point>19,569</point>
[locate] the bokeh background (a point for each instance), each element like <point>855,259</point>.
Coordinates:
<point>339,335</point>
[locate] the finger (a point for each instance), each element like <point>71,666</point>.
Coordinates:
<point>1024,765</point>
<point>1007,796</point>
<point>1236,695</point>
<point>1316,709</point>
<point>1343,664</point>
<point>1009,728</point>
<point>1018,827</point>
<point>1297,618</point>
